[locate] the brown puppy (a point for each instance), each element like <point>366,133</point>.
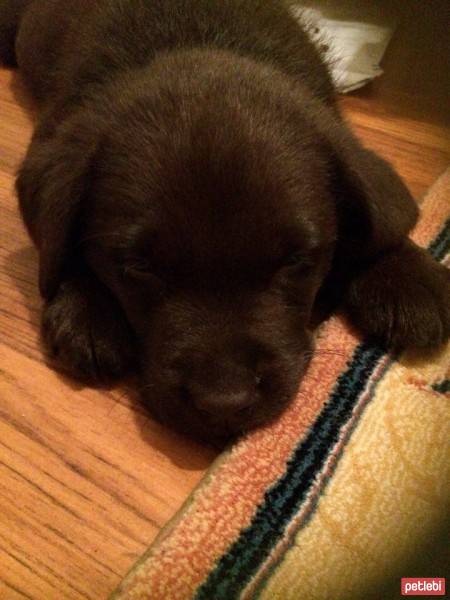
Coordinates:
<point>193,193</point>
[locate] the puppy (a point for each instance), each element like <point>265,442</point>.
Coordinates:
<point>194,194</point>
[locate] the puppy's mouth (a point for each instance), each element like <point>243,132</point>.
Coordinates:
<point>174,410</point>
<point>177,410</point>
<point>212,429</point>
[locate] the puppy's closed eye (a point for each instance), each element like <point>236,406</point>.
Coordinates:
<point>299,261</point>
<point>140,271</point>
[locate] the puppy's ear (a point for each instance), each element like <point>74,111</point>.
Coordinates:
<point>375,209</point>
<point>51,185</point>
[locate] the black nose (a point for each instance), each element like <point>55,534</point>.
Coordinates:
<point>225,405</point>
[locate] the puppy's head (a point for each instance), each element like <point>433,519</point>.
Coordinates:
<point>210,213</point>
<point>210,221</point>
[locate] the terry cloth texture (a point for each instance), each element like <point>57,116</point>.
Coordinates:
<point>347,492</point>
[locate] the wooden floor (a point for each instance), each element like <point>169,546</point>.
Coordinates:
<point>86,479</point>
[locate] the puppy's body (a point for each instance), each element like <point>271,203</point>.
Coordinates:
<point>61,48</point>
<point>192,191</point>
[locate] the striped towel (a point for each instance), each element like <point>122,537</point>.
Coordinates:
<point>343,495</point>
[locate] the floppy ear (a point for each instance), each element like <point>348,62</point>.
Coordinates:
<point>51,184</point>
<point>375,209</point>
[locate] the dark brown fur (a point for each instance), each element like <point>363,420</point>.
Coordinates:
<point>193,192</point>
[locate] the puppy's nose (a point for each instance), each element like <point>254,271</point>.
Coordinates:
<point>225,404</point>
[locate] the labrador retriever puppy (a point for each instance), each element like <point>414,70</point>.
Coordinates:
<point>194,194</point>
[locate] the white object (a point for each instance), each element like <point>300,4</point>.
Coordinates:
<point>353,49</point>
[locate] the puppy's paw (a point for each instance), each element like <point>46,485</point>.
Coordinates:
<point>403,300</point>
<point>85,333</point>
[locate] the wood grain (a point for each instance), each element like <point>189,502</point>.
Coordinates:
<point>86,478</point>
